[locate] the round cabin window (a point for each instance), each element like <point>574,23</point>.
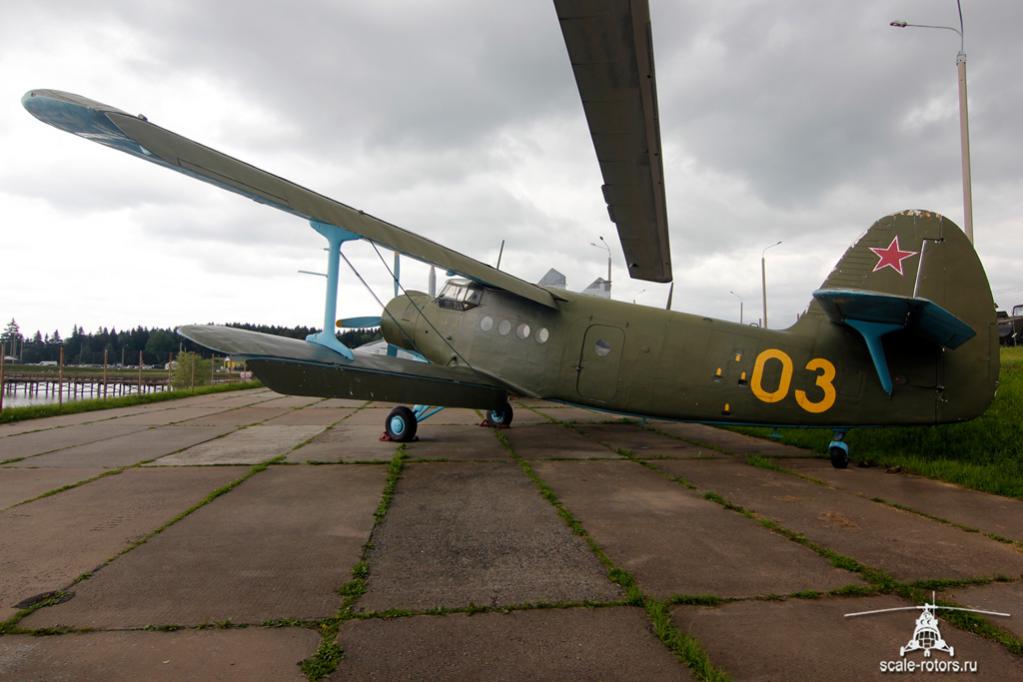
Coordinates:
<point>602,347</point>
<point>523,331</point>
<point>504,327</point>
<point>487,323</point>
<point>542,335</point>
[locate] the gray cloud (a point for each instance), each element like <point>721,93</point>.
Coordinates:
<point>781,120</point>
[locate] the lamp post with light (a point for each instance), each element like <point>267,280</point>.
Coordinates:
<point>740,304</point>
<point>763,277</point>
<point>604,245</point>
<point>964,117</point>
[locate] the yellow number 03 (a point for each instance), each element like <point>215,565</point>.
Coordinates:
<point>825,381</point>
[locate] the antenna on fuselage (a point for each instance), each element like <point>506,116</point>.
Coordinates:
<point>433,282</point>
<point>499,254</point>
<point>671,292</point>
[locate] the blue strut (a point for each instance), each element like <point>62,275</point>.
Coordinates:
<point>335,236</point>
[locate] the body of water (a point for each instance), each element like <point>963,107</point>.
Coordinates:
<point>22,395</point>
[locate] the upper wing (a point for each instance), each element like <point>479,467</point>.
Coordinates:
<point>298,367</point>
<point>611,49</point>
<point>135,135</point>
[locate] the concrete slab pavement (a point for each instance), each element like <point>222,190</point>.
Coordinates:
<point>677,543</point>
<point>800,639</point>
<point>239,416</point>
<point>553,441</point>
<point>342,402</point>
<point>223,655</point>
<point>461,533</point>
<point>48,543</point>
<point>990,513</point>
<point>129,449</point>
<point>457,533</point>
<point>277,546</point>
<point>38,442</point>
<point>461,442</point>
<point>20,484</point>
<point>579,415</point>
<point>906,545</point>
<point>246,446</point>
<point>546,644</point>
<point>524,416</point>
<point>999,597</point>
<point>728,441</point>
<point>345,442</point>
<point>642,442</point>
<point>313,416</point>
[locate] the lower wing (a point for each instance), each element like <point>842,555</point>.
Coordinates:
<point>298,367</point>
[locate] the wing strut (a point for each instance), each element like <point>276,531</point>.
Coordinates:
<point>336,237</point>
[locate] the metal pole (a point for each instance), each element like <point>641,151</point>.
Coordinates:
<point>2,382</point>
<point>60,377</point>
<point>105,351</point>
<point>964,139</point>
<point>604,244</point>
<point>763,286</point>
<point>964,119</point>
<point>740,304</point>
<point>140,372</point>
<point>763,277</point>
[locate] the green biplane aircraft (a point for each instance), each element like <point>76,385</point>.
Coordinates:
<point>902,331</point>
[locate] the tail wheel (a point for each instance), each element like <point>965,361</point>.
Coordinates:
<point>500,417</point>
<point>839,457</point>
<point>401,424</point>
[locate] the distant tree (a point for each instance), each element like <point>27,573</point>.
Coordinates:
<point>190,370</point>
<point>160,345</point>
<point>10,338</point>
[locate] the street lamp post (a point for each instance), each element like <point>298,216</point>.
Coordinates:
<point>763,277</point>
<point>604,245</point>
<point>740,304</point>
<point>964,116</point>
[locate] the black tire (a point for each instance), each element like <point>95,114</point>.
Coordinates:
<point>401,424</point>
<point>839,457</point>
<point>501,417</point>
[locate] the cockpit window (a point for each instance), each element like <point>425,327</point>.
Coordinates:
<point>460,295</point>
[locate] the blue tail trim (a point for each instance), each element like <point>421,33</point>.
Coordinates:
<point>874,315</point>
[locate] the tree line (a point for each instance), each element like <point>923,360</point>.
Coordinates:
<point>122,347</point>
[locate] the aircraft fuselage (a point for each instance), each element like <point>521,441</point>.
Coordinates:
<point>634,359</point>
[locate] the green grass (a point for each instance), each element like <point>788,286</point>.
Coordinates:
<point>984,454</point>
<point>15,414</point>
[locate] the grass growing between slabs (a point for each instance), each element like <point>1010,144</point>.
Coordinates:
<point>984,454</point>
<point>16,414</point>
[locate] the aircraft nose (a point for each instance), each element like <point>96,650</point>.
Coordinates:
<point>398,323</point>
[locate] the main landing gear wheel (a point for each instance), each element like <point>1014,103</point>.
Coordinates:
<point>839,455</point>
<point>499,418</point>
<point>401,425</point>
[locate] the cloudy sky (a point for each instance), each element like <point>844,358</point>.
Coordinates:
<point>785,120</point>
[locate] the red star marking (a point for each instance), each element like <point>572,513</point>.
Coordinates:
<point>891,257</point>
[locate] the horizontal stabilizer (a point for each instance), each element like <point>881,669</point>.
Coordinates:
<point>918,315</point>
<point>297,367</point>
<point>875,315</point>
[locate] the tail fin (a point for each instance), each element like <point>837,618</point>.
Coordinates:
<point>916,273</point>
